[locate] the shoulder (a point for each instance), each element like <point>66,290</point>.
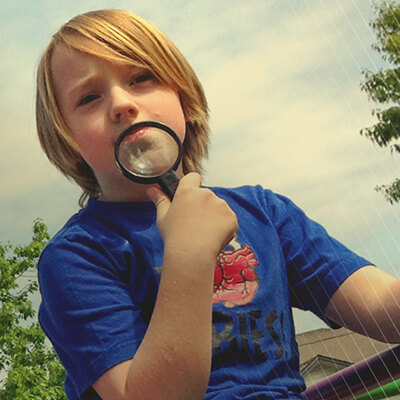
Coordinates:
<point>84,244</point>
<point>250,193</point>
<point>80,230</point>
<point>242,194</point>
<point>104,225</point>
<point>257,199</point>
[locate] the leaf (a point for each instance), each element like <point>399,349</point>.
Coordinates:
<point>383,86</point>
<point>32,368</point>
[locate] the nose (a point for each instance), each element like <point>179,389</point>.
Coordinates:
<point>123,105</point>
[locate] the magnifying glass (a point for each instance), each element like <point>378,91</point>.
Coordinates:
<point>150,152</point>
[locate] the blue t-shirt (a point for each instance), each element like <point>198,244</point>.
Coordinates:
<point>99,278</point>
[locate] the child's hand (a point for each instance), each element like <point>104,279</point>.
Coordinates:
<point>196,222</point>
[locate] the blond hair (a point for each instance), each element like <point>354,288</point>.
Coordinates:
<point>121,37</point>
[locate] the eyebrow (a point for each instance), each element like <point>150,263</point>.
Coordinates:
<point>82,84</point>
<point>92,79</point>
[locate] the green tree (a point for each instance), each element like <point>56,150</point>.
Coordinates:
<point>384,87</point>
<point>29,367</point>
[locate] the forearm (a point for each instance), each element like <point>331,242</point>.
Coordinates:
<point>174,358</point>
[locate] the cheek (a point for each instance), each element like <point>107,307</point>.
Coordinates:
<point>179,121</point>
<point>170,112</point>
<point>96,150</point>
<point>180,127</point>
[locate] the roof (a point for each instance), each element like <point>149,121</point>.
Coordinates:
<point>339,344</point>
<point>308,366</point>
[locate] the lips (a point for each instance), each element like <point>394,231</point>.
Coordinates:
<point>134,136</point>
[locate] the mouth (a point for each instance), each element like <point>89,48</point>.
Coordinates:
<point>135,135</point>
<point>139,134</point>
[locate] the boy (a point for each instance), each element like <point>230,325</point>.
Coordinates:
<point>216,322</point>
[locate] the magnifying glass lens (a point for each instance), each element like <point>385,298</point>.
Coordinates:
<point>148,152</point>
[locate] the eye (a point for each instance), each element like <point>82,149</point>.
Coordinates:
<point>88,99</point>
<point>141,78</point>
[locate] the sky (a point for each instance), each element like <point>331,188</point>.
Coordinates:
<point>282,78</point>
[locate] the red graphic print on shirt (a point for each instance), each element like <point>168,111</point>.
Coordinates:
<point>235,281</point>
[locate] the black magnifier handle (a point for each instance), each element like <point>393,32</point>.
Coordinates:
<point>168,182</point>
<point>152,156</point>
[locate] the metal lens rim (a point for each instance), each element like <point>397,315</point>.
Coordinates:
<point>135,127</point>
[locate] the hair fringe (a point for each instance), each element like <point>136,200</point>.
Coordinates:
<point>128,38</point>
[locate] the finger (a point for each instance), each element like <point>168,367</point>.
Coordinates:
<point>191,180</point>
<point>160,199</point>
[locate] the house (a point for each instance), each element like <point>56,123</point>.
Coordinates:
<point>326,351</point>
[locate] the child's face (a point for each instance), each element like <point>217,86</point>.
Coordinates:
<point>99,99</point>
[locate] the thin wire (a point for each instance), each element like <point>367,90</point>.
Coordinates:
<point>315,300</point>
<point>398,304</point>
<point>364,302</point>
<point>366,221</point>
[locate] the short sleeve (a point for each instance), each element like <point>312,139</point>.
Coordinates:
<point>317,264</point>
<point>88,310</point>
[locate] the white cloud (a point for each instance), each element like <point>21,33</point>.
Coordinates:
<point>282,79</point>
<point>287,113</point>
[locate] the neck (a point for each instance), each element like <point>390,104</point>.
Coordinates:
<point>129,191</point>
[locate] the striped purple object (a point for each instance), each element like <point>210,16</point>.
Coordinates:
<point>359,378</point>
